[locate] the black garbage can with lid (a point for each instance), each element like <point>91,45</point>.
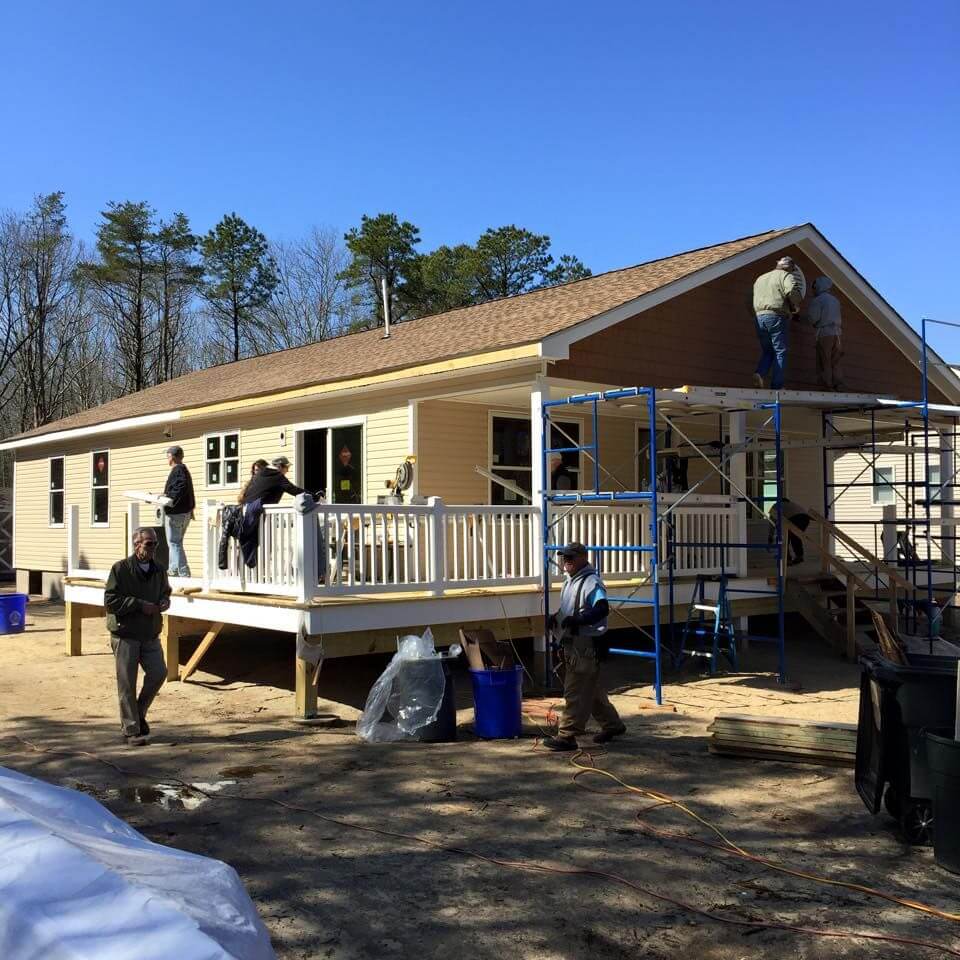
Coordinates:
<point>943,761</point>
<point>898,703</point>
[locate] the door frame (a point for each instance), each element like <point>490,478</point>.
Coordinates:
<point>329,425</point>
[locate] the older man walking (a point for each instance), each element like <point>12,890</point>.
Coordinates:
<point>777,296</point>
<point>136,594</point>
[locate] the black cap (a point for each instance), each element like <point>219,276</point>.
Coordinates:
<point>573,549</point>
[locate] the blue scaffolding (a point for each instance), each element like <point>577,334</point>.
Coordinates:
<point>661,547</point>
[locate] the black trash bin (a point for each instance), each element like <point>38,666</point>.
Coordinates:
<point>943,760</point>
<point>444,728</point>
<point>898,702</point>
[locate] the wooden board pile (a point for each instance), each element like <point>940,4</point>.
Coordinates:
<point>778,738</point>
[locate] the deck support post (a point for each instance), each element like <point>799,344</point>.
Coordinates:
<point>73,632</point>
<point>170,642</point>
<point>306,692</point>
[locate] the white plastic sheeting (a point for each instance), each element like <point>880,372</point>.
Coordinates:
<point>77,883</point>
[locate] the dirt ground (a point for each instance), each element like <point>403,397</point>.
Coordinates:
<point>329,891</point>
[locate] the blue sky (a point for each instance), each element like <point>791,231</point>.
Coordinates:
<point>626,131</point>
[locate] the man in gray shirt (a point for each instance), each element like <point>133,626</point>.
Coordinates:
<point>824,315</point>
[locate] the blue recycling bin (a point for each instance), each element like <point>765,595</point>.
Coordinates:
<point>13,612</point>
<point>497,702</point>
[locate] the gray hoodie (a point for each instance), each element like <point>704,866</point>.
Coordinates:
<point>823,311</point>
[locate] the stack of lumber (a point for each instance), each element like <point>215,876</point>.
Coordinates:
<point>778,738</point>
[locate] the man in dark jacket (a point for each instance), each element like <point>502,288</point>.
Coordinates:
<point>137,592</point>
<point>271,483</point>
<point>178,512</point>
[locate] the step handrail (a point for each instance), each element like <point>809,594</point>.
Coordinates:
<point>848,572</point>
<point>845,538</point>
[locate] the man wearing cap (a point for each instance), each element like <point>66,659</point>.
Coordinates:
<point>823,312</point>
<point>178,512</point>
<point>137,592</point>
<point>777,296</point>
<point>269,484</point>
<point>581,623</point>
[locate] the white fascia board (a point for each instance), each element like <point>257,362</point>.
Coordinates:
<point>557,345</point>
<point>111,426</point>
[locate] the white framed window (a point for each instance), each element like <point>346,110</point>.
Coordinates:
<point>762,480</point>
<point>883,490</point>
<point>511,456</point>
<point>933,474</point>
<point>100,488</point>
<point>55,514</point>
<point>222,459</point>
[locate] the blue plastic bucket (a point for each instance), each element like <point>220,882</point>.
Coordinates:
<point>13,612</point>
<point>497,700</point>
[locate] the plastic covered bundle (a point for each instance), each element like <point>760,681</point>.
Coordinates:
<point>411,697</point>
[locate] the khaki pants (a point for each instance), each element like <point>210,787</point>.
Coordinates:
<point>584,696</point>
<point>829,352</point>
<point>129,655</point>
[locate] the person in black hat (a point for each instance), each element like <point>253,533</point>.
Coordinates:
<point>581,624</point>
<point>178,513</point>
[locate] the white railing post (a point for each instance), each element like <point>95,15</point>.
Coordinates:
<point>209,547</point>
<point>73,539</point>
<point>307,582</point>
<point>437,543</point>
<point>133,521</point>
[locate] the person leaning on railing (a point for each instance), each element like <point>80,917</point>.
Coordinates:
<point>265,488</point>
<point>255,468</point>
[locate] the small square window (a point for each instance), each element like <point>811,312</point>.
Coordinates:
<point>884,479</point>
<point>222,459</point>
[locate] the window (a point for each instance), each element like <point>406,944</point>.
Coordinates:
<point>883,490</point>
<point>222,456</point>
<point>933,473</point>
<point>511,458</point>
<point>762,480</point>
<point>56,492</point>
<point>100,488</point>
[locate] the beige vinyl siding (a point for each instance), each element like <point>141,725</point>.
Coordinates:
<point>856,503</point>
<point>137,462</point>
<point>452,439</point>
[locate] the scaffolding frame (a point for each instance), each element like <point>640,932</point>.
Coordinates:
<point>914,420</point>
<point>649,397</point>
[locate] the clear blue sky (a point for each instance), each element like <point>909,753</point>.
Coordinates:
<point>626,131</point>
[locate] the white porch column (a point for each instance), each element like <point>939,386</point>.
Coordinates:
<point>133,521</point>
<point>73,539</point>
<point>948,547</point>
<point>306,557</point>
<point>539,392</point>
<point>737,470</point>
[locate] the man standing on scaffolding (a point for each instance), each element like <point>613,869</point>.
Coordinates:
<point>777,296</point>
<point>581,623</point>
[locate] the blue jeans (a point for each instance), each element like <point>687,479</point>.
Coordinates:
<point>772,332</point>
<point>175,525</point>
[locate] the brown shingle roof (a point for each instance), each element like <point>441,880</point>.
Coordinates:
<point>513,321</point>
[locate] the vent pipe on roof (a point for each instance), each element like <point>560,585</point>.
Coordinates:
<point>386,307</point>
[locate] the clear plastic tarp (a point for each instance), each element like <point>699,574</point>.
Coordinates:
<point>77,883</point>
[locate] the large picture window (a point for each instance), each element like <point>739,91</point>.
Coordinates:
<point>511,458</point>
<point>222,456</point>
<point>100,488</point>
<point>56,491</point>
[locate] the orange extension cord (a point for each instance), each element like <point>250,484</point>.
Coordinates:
<point>533,867</point>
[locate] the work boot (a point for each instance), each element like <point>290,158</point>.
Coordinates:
<point>135,740</point>
<point>758,381</point>
<point>605,736</point>
<point>144,727</point>
<point>560,743</point>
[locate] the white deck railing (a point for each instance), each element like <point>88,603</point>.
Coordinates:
<point>371,549</point>
<point>434,547</point>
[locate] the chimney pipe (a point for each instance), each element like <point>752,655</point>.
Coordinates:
<point>386,307</point>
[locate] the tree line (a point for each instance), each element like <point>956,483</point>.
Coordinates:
<point>151,299</point>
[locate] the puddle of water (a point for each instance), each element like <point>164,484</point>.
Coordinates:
<point>167,796</point>
<point>244,772</point>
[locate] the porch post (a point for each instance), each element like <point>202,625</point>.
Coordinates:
<point>133,521</point>
<point>437,543</point>
<point>738,478</point>
<point>948,548</point>
<point>539,391</point>
<point>209,548</point>
<point>307,567</point>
